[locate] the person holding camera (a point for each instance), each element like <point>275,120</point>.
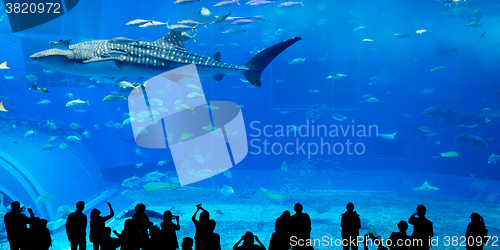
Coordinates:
<point>15,225</point>
<point>98,225</point>
<point>202,225</point>
<point>248,240</point>
<point>168,228</point>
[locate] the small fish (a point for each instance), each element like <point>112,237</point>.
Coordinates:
<point>279,32</point>
<point>338,117</point>
<point>228,174</point>
<point>483,35</point>
<point>153,176</point>
<point>186,2</point>
<point>123,40</point>
<point>358,28</point>
<point>77,103</point>
<point>226,190</point>
<point>9,77</point>
<point>138,22</point>
<point>438,68</point>
<point>73,138</point>
<point>30,133</point>
<point>132,181</point>
<point>86,134</point>
<point>493,158</point>
<point>161,163</point>
<point>429,91</point>
<point>44,102</point>
<point>367,40</point>
<point>47,147</point>
<point>63,145</point>
<point>185,136</point>
<point>422,31</point>
<point>44,198</point>
<point>52,139</point>
<point>222,18</point>
<point>321,22</point>
<point>117,125</point>
<point>193,86</point>
<point>226,3</point>
<point>138,165</point>
<point>449,154</point>
<point>75,126</point>
<point>113,98</point>
<point>297,60</point>
<point>314,90</point>
<point>402,35</point>
<point>336,76</point>
<point>289,4</point>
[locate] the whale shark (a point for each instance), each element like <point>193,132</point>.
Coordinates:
<point>149,59</point>
<point>470,120</point>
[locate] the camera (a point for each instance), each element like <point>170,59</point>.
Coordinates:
<point>198,206</point>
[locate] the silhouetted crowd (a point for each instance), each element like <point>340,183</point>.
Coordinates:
<point>291,232</point>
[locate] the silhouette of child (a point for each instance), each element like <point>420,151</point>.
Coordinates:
<point>248,240</point>
<point>108,243</point>
<point>399,240</point>
<point>187,243</point>
<point>476,232</point>
<point>350,224</point>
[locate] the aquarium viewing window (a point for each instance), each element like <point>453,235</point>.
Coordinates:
<point>242,124</point>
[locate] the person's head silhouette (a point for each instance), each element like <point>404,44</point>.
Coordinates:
<point>167,215</point>
<point>187,243</point>
<point>15,206</point>
<point>248,238</point>
<point>421,210</point>
<point>140,208</point>
<point>475,217</point>
<point>298,208</point>
<point>349,207</point>
<point>204,215</point>
<point>80,206</point>
<point>95,213</point>
<point>403,226</point>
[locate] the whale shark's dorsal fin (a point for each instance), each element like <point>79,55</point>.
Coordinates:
<point>217,57</point>
<point>172,39</point>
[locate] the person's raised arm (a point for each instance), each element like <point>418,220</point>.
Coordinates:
<point>260,243</point>
<point>235,247</point>
<point>111,212</point>
<point>177,226</point>
<point>194,215</point>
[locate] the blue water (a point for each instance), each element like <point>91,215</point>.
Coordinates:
<point>290,95</point>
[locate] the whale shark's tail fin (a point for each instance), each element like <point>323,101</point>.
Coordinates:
<point>260,61</point>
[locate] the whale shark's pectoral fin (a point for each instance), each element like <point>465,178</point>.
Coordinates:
<point>218,77</point>
<point>103,62</point>
<point>172,39</point>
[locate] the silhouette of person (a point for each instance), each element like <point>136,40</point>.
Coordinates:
<point>141,220</point>
<point>422,229</point>
<point>476,232</point>
<point>300,228</point>
<point>187,243</point>
<point>400,240</point>
<point>98,225</point>
<point>38,235</point>
<point>350,224</point>
<point>201,227</point>
<point>280,239</point>
<point>168,228</point>
<point>76,226</point>
<point>131,237</point>
<point>107,242</point>
<point>155,240</point>
<point>213,239</point>
<point>15,225</point>
<point>248,240</point>
<point>376,241</point>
